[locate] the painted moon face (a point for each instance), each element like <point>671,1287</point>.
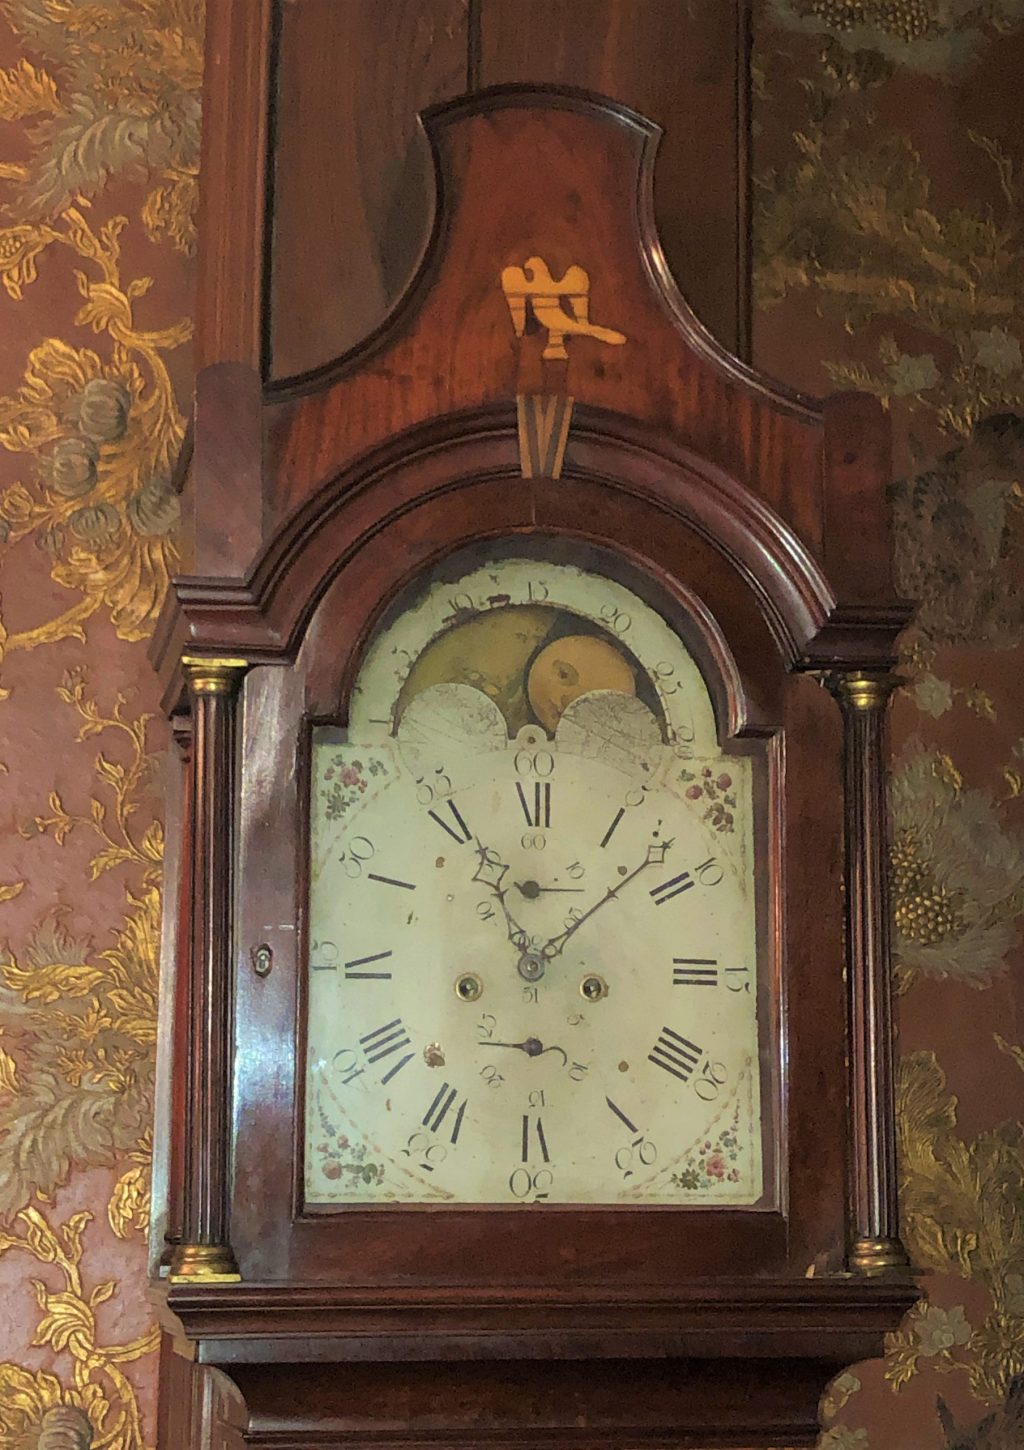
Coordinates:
<point>571,667</point>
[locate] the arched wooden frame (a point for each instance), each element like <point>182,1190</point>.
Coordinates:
<point>373,537</point>
<point>331,677</point>
<point>266,615</point>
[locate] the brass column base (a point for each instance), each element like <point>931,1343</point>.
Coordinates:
<point>203,1264</point>
<point>871,1257</point>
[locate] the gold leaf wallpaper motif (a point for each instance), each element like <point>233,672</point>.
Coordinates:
<point>890,257</point>
<point>99,139</point>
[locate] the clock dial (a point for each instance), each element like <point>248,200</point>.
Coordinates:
<point>533,954</point>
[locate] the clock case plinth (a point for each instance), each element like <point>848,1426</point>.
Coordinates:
<point>314,503</point>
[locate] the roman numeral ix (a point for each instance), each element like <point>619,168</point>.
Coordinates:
<point>675,1054</point>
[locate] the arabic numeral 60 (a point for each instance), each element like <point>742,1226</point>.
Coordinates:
<point>523,1184</point>
<point>540,763</point>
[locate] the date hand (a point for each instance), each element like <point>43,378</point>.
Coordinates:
<point>532,1046</point>
<point>655,856</point>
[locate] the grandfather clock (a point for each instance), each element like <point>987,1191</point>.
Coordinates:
<point>530,1072</point>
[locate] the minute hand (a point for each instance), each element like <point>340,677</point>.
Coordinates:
<point>655,857</point>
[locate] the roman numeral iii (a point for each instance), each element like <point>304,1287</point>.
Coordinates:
<point>676,1054</point>
<point>694,972</point>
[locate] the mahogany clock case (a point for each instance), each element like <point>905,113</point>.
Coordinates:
<point>729,507</point>
<point>271,1236</point>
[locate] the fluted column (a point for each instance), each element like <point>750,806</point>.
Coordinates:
<point>875,1245</point>
<point>205,1254</point>
<point>178,1147</point>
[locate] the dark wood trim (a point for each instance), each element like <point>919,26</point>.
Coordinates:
<point>264,617</point>
<point>744,181</point>
<point>233,191</point>
<point>255,1322</point>
<point>439,122</point>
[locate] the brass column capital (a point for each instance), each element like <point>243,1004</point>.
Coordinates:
<point>203,1264</point>
<point>862,689</point>
<point>213,676</point>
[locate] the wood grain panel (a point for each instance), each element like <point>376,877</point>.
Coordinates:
<point>683,66</point>
<point>354,189</point>
<point>229,293</point>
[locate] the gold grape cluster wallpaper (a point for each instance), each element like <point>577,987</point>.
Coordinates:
<point>888,177</point>
<point>889,256</point>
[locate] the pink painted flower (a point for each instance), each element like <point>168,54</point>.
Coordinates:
<point>724,782</point>
<point>350,776</point>
<point>715,1165</point>
<point>693,793</point>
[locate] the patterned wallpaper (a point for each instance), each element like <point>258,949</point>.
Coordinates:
<point>889,175</point>
<point>99,132</point>
<point>888,182</point>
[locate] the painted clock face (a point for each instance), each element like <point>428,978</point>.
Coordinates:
<point>533,923</point>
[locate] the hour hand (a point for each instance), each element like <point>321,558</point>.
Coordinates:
<point>491,871</point>
<point>532,889</point>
